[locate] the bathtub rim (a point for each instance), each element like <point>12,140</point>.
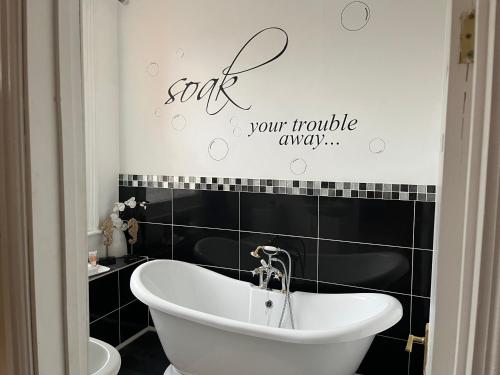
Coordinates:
<point>375,324</point>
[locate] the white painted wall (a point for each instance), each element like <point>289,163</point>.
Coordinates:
<point>45,183</point>
<point>102,115</point>
<point>388,75</point>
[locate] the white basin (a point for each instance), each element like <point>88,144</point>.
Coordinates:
<point>96,270</point>
<point>103,359</point>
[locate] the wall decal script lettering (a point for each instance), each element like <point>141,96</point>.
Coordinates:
<point>292,133</point>
<point>217,89</point>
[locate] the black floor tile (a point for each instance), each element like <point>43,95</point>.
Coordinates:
<point>144,356</point>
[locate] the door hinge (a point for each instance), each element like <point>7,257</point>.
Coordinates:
<point>467,37</point>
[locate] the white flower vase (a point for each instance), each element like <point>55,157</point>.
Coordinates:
<point>119,246</point>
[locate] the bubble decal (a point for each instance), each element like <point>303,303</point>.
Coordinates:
<point>298,166</point>
<point>153,69</point>
<point>377,146</point>
<point>355,16</point>
<point>218,149</point>
<point>179,122</point>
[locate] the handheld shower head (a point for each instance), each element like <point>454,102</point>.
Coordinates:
<point>256,252</point>
<point>268,250</point>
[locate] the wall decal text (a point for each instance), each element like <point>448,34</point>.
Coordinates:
<point>217,89</point>
<point>305,132</point>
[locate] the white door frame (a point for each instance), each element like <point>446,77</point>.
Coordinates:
<point>43,298</point>
<point>463,198</point>
<point>16,307</point>
<point>465,213</point>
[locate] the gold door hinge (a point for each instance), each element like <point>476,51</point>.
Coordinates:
<point>467,39</point>
<point>419,340</point>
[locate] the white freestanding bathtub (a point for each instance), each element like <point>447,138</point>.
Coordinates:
<point>210,324</point>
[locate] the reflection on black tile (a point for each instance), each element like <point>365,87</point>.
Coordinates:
<point>103,296</point>
<point>420,315</point>
<point>106,329</point>
<point>303,251</point>
<point>424,225</point>
<point>155,241</point>
<point>282,214</point>
<point>422,273</point>
<point>159,204</point>
<point>386,357</point>
<point>400,330</point>
<point>210,247</point>
<point>126,295</point>
<point>369,266</point>
<point>367,220</point>
<point>214,209</point>
<point>144,353</point>
<point>133,319</point>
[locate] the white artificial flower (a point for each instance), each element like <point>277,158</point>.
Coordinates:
<point>124,227</point>
<point>114,216</point>
<point>131,202</point>
<point>121,206</point>
<point>143,205</point>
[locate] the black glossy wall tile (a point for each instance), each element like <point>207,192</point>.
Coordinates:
<point>107,329</point>
<point>154,241</point>
<point>367,220</point>
<point>279,214</point>
<point>214,209</point>
<point>124,275</point>
<point>210,247</point>
<point>424,225</point>
<point>304,252</point>
<point>417,360</point>
<point>399,330</point>
<point>369,266</point>
<point>133,319</point>
<point>420,315</point>
<point>422,272</point>
<point>103,296</point>
<point>158,208</point>
<point>386,357</point>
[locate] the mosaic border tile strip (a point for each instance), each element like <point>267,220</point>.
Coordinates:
<point>405,192</point>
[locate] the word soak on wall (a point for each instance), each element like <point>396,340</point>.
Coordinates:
<point>353,89</point>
